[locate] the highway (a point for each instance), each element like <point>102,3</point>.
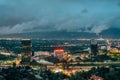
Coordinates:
<point>81,64</point>
<point>93,63</point>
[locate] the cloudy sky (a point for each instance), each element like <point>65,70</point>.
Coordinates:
<point>18,16</point>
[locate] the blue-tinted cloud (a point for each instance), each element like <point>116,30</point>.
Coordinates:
<point>18,16</point>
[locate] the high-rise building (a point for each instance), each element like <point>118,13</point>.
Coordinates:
<point>94,47</point>
<point>118,44</point>
<point>108,45</point>
<point>26,51</point>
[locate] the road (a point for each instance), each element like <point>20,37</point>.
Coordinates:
<point>93,63</point>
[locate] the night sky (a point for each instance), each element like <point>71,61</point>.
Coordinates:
<point>19,16</point>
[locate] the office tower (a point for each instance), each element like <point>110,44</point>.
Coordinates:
<point>108,45</point>
<point>26,51</point>
<point>94,48</point>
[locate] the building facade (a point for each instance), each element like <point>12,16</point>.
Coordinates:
<point>26,51</point>
<point>94,48</point>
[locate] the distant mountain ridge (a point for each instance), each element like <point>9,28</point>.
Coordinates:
<point>109,33</point>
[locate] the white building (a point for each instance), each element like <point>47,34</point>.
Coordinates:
<point>39,53</point>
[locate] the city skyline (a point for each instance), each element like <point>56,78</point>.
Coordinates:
<point>59,39</point>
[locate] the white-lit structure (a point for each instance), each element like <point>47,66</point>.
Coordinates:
<point>108,45</point>
<point>39,53</point>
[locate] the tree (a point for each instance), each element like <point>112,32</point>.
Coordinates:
<point>14,65</point>
<point>65,61</point>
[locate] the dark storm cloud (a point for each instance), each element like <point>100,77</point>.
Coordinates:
<point>118,3</point>
<point>18,16</point>
<point>84,11</point>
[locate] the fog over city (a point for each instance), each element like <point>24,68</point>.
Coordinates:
<point>22,16</point>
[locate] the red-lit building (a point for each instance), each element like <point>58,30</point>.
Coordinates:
<point>59,52</point>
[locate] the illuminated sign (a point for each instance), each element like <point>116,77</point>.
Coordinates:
<point>59,51</point>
